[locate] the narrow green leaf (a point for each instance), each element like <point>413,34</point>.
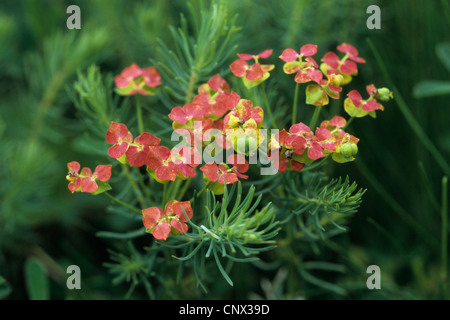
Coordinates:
<point>116,235</point>
<point>320,283</point>
<point>222,271</point>
<point>430,88</point>
<point>443,52</point>
<point>191,254</point>
<point>36,280</point>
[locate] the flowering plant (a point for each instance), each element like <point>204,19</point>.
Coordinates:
<point>230,151</point>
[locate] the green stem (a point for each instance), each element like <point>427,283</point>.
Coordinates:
<point>444,231</point>
<point>47,101</point>
<point>164,195</point>
<point>315,165</point>
<point>348,122</point>
<point>187,183</point>
<point>134,185</point>
<point>191,85</point>
<point>267,104</point>
<point>199,193</point>
<point>143,186</point>
<point>173,190</point>
<point>294,106</point>
<point>139,113</point>
<point>315,117</point>
<point>120,202</point>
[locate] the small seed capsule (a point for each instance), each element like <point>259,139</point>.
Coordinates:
<point>349,149</point>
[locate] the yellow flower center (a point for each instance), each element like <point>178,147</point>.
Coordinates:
<point>72,176</point>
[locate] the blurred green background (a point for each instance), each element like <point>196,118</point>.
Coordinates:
<point>403,154</point>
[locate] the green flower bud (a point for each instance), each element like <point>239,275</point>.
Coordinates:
<point>384,94</point>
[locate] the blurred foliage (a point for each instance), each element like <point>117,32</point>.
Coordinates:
<point>47,78</point>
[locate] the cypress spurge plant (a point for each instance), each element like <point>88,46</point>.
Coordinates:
<point>201,200</point>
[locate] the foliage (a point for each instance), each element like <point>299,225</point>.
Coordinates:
<point>312,233</point>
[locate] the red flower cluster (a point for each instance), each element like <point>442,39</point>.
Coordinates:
<point>220,117</point>
<point>86,181</point>
<point>347,64</point>
<point>337,72</point>
<point>335,141</point>
<point>134,80</point>
<point>170,220</point>
<point>300,146</point>
<point>304,70</point>
<point>167,164</point>
<point>125,149</point>
<point>205,111</point>
<point>220,121</point>
<point>355,106</point>
<point>223,174</point>
<point>256,73</point>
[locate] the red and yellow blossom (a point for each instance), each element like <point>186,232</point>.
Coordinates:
<point>317,94</point>
<point>199,108</point>
<point>172,219</point>
<point>125,149</point>
<point>355,106</point>
<point>134,80</point>
<point>341,145</point>
<point>303,69</point>
<point>241,127</point>
<point>217,175</point>
<point>86,181</point>
<point>347,65</point>
<point>168,165</point>
<point>216,93</point>
<point>256,73</point>
<point>283,157</point>
<point>244,115</point>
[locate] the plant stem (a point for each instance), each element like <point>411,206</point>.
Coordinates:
<point>143,186</point>
<point>134,185</point>
<point>315,165</point>
<point>164,194</point>
<point>294,106</point>
<point>173,190</point>
<point>187,183</point>
<point>191,85</point>
<point>267,104</point>
<point>349,121</point>
<point>46,102</point>
<point>199,193</point>
<point>315,117</point>
<point>126,205</point>
<point>139,113</point>
<point>444,231</point>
